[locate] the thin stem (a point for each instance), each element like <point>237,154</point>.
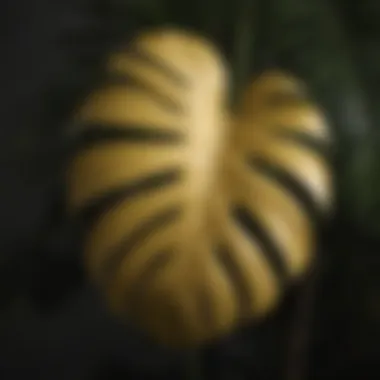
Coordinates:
<point>300,331</point>
<point>193,365</point>
<point>243,41</point>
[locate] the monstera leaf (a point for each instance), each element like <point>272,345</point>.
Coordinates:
<point>197,218</point>
<point>314,41</point>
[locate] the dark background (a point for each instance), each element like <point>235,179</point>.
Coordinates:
<point>52,324</point>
